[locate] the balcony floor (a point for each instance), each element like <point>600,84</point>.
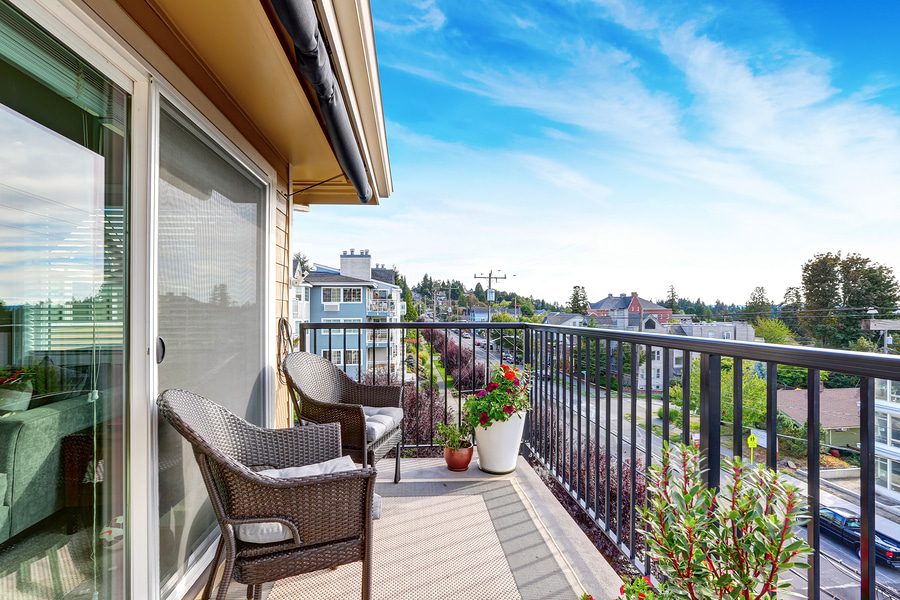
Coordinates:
<point>445,535</point>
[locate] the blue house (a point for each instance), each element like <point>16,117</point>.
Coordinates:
<point>352,294</point>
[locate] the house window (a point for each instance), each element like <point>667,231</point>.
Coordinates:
<point>726,335</point>
<point>881,472</point>
<point>895,431</point>
<point>335,356</point>
<point>351,357</point>
<point>881,427</point>
<point>352,295</point>
<point>895,475</point>
<point>331,295</point>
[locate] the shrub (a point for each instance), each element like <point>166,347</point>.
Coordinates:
<point>733,543</point>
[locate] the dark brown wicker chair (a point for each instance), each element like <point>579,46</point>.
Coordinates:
<point>329,516</point>
<point>322,393</point>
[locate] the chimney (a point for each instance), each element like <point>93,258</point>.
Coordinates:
<point>357,265</point>
<point>622,295</point>
<point>609,296</point>
<point>634,295</point>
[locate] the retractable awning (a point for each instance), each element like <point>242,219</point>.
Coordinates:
<point>299,20</point>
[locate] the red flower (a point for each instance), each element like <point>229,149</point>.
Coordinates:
<point>622,589</point>
<point>484,418</point>
<point>492,386</point>
<point>509,375</point>
<point>504,367</point>
<point>647,579</point>
<point>509,409</point>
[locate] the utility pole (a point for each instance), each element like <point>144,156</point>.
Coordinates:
<point>490,288</point>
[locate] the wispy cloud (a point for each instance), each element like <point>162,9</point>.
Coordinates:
<point>645,145</point>
<point>425,15</point>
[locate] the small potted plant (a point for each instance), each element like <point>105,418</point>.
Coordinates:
<point>497,416</point>
<point>16,388</point>
<point>457,443</point>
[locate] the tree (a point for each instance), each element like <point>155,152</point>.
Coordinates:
<point>758,306</point>
<point>838,291</point>
<point>578,302</point>
<point>774,331</point>
<point>790,308</point>
<point>671,299</point>
<point>220,295</point>
<point>480,293</point>
<point>411,313</point>
<point>302,263</point>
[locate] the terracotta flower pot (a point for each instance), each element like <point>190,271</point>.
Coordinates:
<point>458,459</point>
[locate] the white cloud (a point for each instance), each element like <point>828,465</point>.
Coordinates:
<point>427,17</point>
<point>726,174</point>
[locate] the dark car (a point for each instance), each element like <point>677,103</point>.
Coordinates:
<point>844,525</point>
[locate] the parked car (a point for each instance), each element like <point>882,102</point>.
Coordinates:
<point>845,525</point>
<point>466,335</point>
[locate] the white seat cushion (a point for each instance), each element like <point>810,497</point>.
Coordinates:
<point>381,420</point>
<point>271,532</point>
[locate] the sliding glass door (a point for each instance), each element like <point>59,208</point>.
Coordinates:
<point>211,286</point>
<point>63,306</point>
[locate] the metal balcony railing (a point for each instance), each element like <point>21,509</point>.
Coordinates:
<point>581,393</point>
<point>381,306</point>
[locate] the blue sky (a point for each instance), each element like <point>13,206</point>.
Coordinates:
<point>625,146</point>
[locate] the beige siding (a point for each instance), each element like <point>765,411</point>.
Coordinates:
<point>282,293</point>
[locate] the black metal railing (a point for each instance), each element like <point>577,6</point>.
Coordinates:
<point>586,383</point>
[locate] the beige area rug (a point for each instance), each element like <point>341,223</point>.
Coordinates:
<point>425,547</point>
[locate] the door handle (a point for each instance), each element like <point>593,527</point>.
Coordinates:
<point>160,350</point>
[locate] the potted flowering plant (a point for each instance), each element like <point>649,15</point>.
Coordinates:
<point>15,389</point>
<point>497,415</point>
<point>457,443</point>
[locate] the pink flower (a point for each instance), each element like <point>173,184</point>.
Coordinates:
<point>492,386</point>
<point>509,409</point>
<point>484,418</point>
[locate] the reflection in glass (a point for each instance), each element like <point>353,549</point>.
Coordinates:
<point>211,236</point>
<point>62,321</point>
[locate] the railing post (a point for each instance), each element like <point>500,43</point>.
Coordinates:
<point>812,460</point>
<point>867,490</point>
<point>772,415</point>
<point>301,338</point>
<point>711,417</point>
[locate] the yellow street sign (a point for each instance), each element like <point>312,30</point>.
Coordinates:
<point>752,443</point>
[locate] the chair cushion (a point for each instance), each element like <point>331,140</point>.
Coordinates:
<point>380,420</point>
<point>271,532</point>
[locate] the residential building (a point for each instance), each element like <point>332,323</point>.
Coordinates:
<point>148,180</point>
<point>887,437</point>
<point>351,294</point>
<point>483,314</point>
<point>719,330</point>
<point>565,319</point>
<point>838,413</point>
<point>631,312</point>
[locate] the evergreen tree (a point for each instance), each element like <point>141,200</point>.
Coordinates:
<point>758,306</point>
<point>671,299</point>
<point>578,302</point>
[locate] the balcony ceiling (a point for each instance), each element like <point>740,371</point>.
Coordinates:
<point>232,52</point>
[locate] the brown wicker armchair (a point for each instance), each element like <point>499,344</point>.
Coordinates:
<point>322,393</point>
<point>329,517</point>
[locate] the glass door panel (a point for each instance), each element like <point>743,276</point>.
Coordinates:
<point>63,306</point>
<point>211,224</point>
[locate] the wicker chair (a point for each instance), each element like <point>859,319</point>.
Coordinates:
<point>322,393</point>
<point>329,516</point>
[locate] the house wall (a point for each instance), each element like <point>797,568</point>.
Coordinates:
<point>282,253</point>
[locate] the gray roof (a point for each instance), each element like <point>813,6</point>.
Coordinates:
<point>319,278</point>
<point>621,303</point>
<point>384,275</point>
<point>599,321</point>
<point>558,318</point>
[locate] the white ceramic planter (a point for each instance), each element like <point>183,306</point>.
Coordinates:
<point>498,445</point>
